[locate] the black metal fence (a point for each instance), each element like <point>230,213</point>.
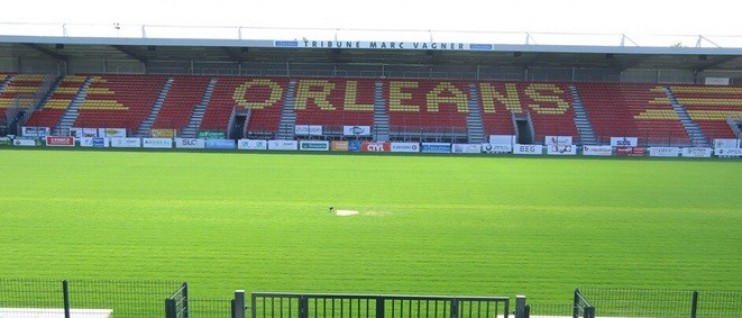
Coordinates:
<point>127,299</point>
<point>377,306</point>
<point>665,303</point>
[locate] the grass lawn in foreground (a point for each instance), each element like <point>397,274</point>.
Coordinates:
<point>441,225</point>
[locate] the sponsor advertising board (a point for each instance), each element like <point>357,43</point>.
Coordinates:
<point>252,144</point>
<point>357,130</point>
<point>211,134</point>
<point>490,148</point>
<point>60,141</point>
<point>605,151</point>
<point>314,145</point>
<point>561,150</point>
<point>502,140</point>
<point>226,144</point>
<point>339,145</point>
<point>435,147</point>
<point>308,130</point>
<point>723,81</point>
<point>664,151</point>
<point>697,152</point>
<point>726,143</point>
<point>624,141</point>
<point>112,132</point>
<point>35,131</point>
<point>190,143</point>
<point>122,142</point>
<point>405,147</point>
<point>283,145</point>
<point>519,149</point>
<point>161,143</point>
<point>96,142</point>
<point>83,132</point>
<point>354,146</point>
<point>375,146</point>
<point>628,151</point>
<point>557,140</point>
<point>4,141</point>
<point>728,152</point>
<point>163,133</point>
<point>23,142</point>
<point>466,148</point>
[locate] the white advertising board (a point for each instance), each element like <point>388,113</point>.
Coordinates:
<point>624,141</point>
<point>557,140</point>
<point>112,132</point>
<point>357,130</point>
<point>190,143</point>
<point>252,144</point>
<point>519,149</point>
<point>726,143</point>
<point>490,148</point>
<point>119,142</point>
<point>561,150</point>
<point>283,144</point>
<point>502,140</point>
<point>697,152</point>
<point>24,142</point>
<point>466,148</point>
<point>405,147</point>
<point>97,142</point>
<point>308,130</point>
<point>605,151</point>
<point>728,152</point>
<point>664,151</point>
<point>161,143</point>
<point>722,81</point>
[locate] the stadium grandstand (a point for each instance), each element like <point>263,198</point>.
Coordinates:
<point>421,91</point>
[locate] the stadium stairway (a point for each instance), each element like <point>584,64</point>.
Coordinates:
<point>73,110</point>
<point>474,122</point>
<point>146,124</point>
<point>288,115</point>
<point>694,131</point>
<point>381,117</point>
<point>198,112</point>
<point>6,79</point>
<point>582,121</point>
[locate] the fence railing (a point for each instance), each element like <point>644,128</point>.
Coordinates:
<point>377,306</point>
<point>665,303</point>
<point>127,299</point>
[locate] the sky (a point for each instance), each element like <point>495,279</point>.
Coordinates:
<point>631,17</point>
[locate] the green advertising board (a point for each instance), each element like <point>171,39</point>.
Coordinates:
<point>211,134</point>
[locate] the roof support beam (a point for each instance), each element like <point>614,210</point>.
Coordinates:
<point>130,53</point>
<point>50,53</point>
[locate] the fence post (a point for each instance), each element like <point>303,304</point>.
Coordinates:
<point>694,304</point>
<point>575,303</point>
<point>454,308</point>
<point>520,306</point>
<point>238,307</point>
<point>590,312</point>
<point>303,306</point>
<point>380,307</point>
<point>66,296</point>
<point>186,309</point>
<point>170,308</point>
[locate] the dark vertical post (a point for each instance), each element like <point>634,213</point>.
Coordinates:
<point>590,312</point>
<point>576,303</point>
<point>66,295</point>
<point>527,311</point>
<point>186,309</point>
<point>303,306</point>
<point>694,304</point>
<point>380,307</point>
<point>239,304</point>
<point>520,306</point>
<point>454,308</point>
<point>253,306</point>
<point>170,311</point>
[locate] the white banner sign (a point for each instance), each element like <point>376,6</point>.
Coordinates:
<point>726,143</point>
<point>118,142</point>
<point>24,142</point>
<point>98,142</point>
<point>624,141</point>
<point>35,131</point>
<point>190,143</point>
<point>717,81</point>
<point>557,140</point>
<point>83,132</point>
<point>162,143</point>
<point>561,150</point>
<point>405,147</point>
<point>466,148</point>
<point>283,145</point>
<point>502,140</point>
<point>112,132</point>
<point>519,149</point>
<point>357,130</point>
<point>664,151</point>
<point>697,152</point>
<point>605,151</point>
<point>252,144</point>
<point>308,130</point>
<point>490,148</point>
<point>728,152</point>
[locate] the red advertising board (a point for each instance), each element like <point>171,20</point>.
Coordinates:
<point>628,151</point>
<point>375,147</point>
<point>60,141</point>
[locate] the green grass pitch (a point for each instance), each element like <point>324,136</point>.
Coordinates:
<point>439,225</point>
